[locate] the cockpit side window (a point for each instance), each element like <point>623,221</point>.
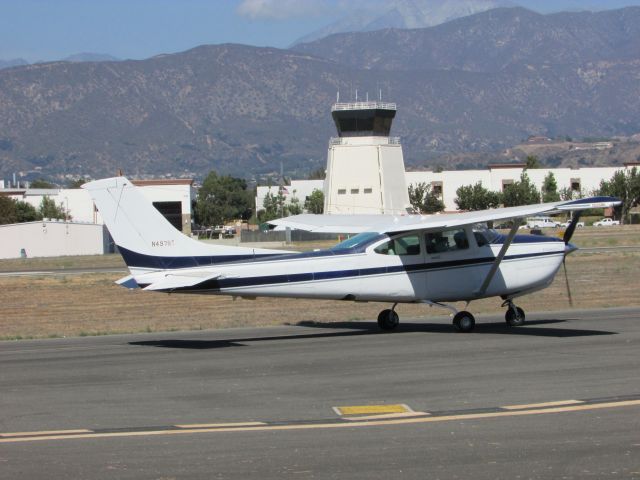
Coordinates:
<point>447,241</point>
<point>405,245</point>
<point>481,240</point>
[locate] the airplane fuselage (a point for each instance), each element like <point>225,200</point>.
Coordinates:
<point>368,271</point>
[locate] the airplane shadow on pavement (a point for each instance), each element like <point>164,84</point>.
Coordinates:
<point>539,328</point>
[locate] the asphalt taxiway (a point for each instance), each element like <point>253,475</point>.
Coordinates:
<point>557,398</point>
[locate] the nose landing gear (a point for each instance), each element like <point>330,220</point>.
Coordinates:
<point>514,316</point>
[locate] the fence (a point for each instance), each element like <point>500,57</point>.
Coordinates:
<point>286,236</point>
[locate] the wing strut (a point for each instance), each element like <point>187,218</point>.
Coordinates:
<point>494,268</point>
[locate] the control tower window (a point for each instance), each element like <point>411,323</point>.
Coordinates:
<point>342,191</point>
<point>368,190</point>
<point>363,119</point>
<point>355,191</point>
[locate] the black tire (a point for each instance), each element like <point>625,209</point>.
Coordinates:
<point>464,322</point>
<point>388,320</point>
<point>513,319</point>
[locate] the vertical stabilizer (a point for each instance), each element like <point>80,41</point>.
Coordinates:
<point>146,239</point>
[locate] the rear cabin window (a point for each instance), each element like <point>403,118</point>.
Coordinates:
<point>447,241</point>
<point>406,245</point>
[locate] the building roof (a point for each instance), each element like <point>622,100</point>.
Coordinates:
<point>6,192</point>
<point>495,166</point>
<point>167,181</point>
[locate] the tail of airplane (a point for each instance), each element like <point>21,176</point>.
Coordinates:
<point>146,240</point>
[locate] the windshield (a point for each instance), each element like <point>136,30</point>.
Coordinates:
<point>484,235</point>
<point>357,241</point>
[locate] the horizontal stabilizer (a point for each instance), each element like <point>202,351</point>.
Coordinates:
<point>173,281</point>
<point>128,282</point>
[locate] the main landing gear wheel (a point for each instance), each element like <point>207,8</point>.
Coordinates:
<point>514,316</point>
<point>464,322</point>
<point>388,320</point>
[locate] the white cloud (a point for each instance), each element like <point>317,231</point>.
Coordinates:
<point>282,9</point>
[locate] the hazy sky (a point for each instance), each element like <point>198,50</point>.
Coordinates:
<point>53,29</point>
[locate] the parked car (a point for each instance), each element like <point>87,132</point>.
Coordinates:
<point>566,224</point>
<point>606,222</point>
<point>542,222</point>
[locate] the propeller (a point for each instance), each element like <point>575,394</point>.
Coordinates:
<point>571,228</point>
<point>566,238</point>
<point>566,279</point>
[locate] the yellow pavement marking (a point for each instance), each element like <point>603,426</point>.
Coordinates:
<point>542,405</point>
<point>310,426</point>
<point>219,425</point>
<point>44,432</point>
<point>372,409</point>
<point>387,415</point>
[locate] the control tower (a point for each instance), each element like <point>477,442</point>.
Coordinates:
<point>365,167</point>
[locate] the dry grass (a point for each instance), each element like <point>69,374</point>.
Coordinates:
<point>92,304</point>
<point>47,263</point>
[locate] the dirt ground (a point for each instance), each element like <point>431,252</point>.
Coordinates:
<point>91,304</point>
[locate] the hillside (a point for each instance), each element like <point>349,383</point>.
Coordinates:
<point>402,14</point>
<point>478,84</point>
<point>491,41</point>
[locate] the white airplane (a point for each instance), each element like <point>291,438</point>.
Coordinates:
<point>404,259</point>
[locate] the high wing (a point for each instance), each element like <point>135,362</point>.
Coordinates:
<point>390,223</point>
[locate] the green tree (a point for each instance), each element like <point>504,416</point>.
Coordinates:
<point>423,199</point>
<point>294,206</point>
<point>41,183</point>
<point>570,194</point>
<point>476,197</point>
<point>550,189</point>
<point>270,210</point>
<point>314,203</point>
<point>49,209</point>
<point>626,186</point>
<point>25,212</point>
<point>532,162</point>
<point>317,174</point>
<point>7,211</point>
<point>77,183</point>
<point>222,198</point>
<point>523,192</point>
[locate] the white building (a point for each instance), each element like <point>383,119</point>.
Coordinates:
<point>495,177</point>
<point>173,198</point>
<point>52,239</point>
<point>83,233</point>
<point>365,166</point>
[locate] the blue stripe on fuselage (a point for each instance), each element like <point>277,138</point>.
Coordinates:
<point>499,240</point>
<point>141,260</point>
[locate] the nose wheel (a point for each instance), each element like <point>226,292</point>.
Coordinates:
<point>514,316</point>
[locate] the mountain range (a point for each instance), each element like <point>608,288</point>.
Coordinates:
<point>403,14</point>
<point>481,83</point>
<point>78,57</point>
